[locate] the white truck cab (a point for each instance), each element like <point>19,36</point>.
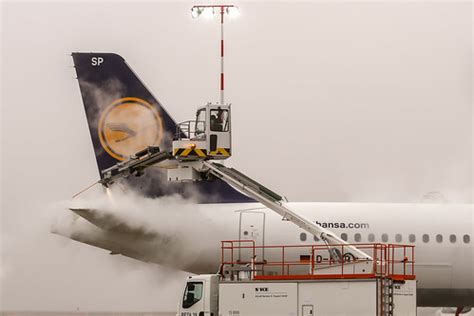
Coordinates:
<point>200,298</point>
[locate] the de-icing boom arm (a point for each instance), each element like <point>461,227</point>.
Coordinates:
<point>275,202</point>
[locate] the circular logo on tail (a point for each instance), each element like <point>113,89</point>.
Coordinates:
<point>129,125</point>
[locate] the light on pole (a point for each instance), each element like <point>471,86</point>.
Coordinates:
<point>209,11</point>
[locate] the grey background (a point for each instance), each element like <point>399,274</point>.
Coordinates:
<point>332,101</point>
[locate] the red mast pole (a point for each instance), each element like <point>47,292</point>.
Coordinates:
<point>223,9</point>
<point>222,55</point>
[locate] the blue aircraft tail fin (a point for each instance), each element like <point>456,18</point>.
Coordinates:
<point>124,118</point>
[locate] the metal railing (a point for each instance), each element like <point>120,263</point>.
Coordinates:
<point>191,129</point>
<point>314,262</point>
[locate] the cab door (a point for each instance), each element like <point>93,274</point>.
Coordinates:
<point>219,131</point>
<point>252,227</point>
<point>307,310</point>
<point>193,302</point>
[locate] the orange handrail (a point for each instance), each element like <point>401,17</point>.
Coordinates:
<point>387,260</point>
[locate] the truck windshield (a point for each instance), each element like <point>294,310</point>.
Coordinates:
<point>192,294</point>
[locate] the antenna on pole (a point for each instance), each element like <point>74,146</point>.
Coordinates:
<point>208,11</point>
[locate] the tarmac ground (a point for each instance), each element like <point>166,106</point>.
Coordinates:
<point>422,311</point>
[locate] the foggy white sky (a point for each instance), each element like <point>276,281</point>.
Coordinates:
<point>332,101</point>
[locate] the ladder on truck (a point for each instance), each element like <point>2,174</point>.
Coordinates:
<point>275,202</point>
<point>387,297</point>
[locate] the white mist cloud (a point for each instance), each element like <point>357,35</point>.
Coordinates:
<point>164,230</point>
<point>50,272</point>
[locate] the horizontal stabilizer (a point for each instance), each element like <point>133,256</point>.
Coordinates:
<point>110,222</point>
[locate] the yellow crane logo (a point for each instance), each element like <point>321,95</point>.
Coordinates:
<point>129,125</point>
